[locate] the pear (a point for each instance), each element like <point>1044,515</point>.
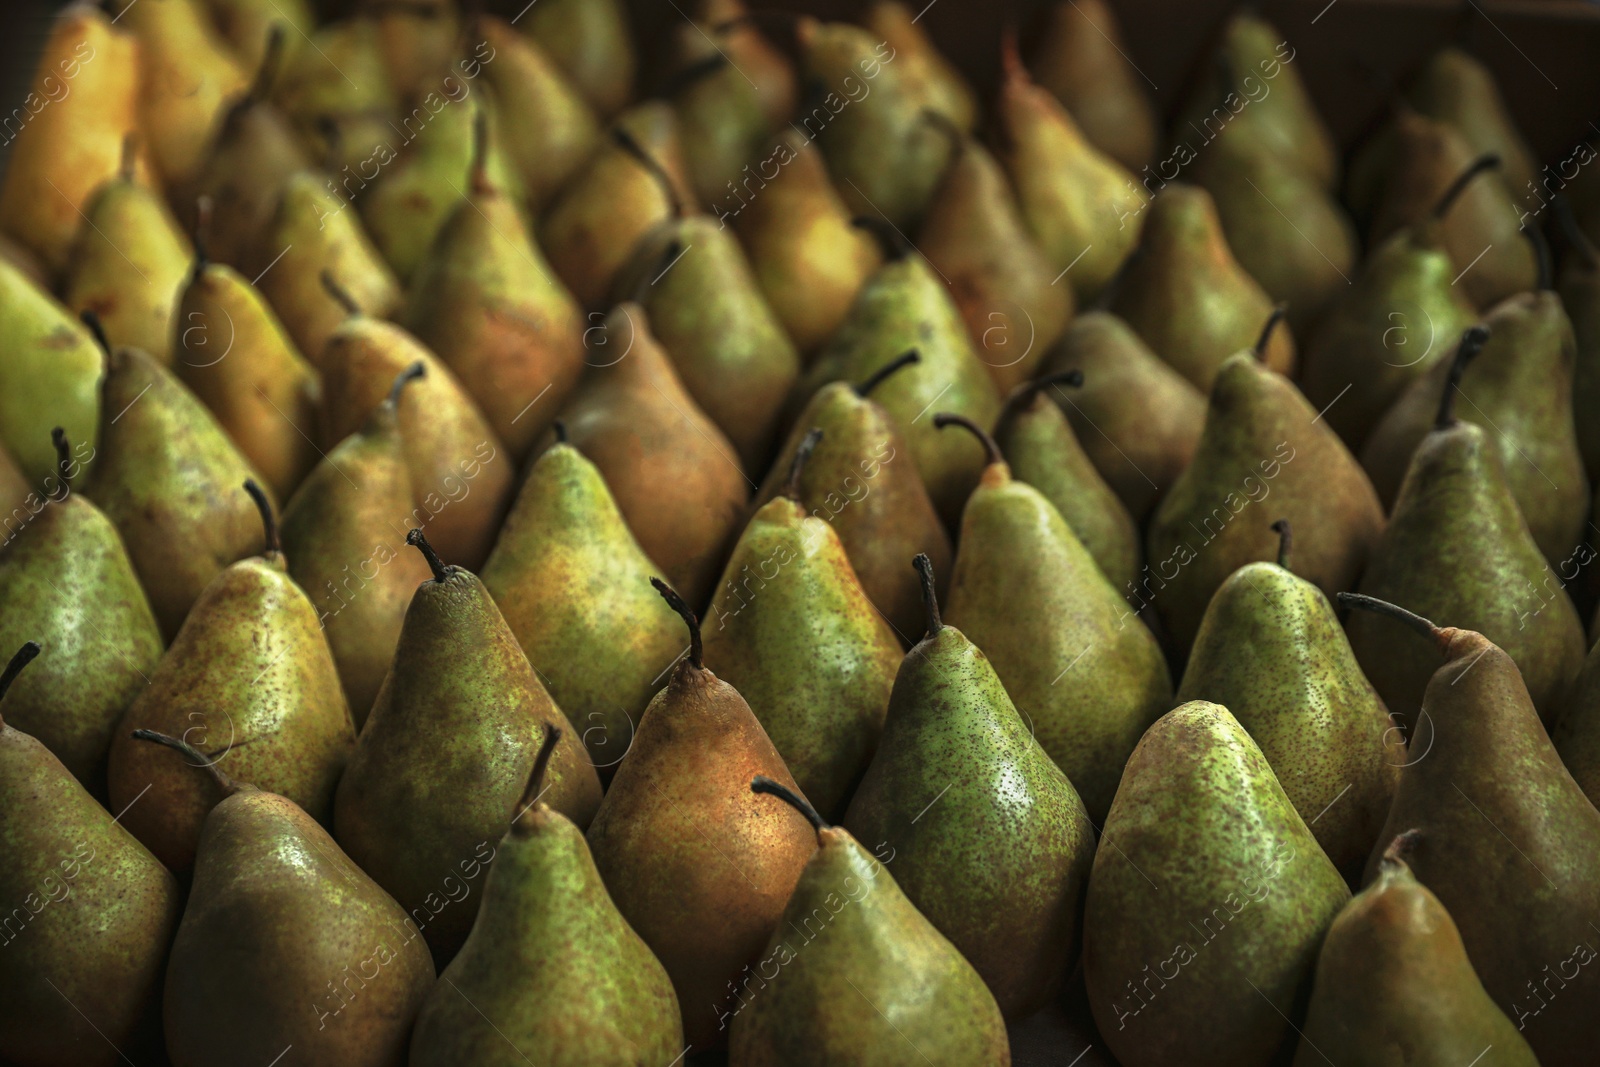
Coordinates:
<point>719,114</point>
<point>679,814</point>
<point>446,751</point>
<point>1019,560</point>
<point>867,116</point>
<point>1394,984</point>
<point>1082,206</point>
<point>1261,439</point>
<point>130,263</point>
<point>346,551</point>
<point>707,310</point>
<point>487,302</point>
<point>247,25</point>
<point>1202,834</point>
<point>547,128</point>
<point>736,31</point>
<point>1458,89</point>
<point>797,636</point>
<point>1081,58</point>
<point>1271,650</point>
<point>89,919</point>
<point>590,230</point>
<point>951,721</point>
<point>169,479</point>
<point>461,475</point>
<point>1187,296</point>
<point>250,672</point>
<point>341,95</point>
<point>879,507</point>
<point>808,258</point>
<point>20,503</point>
<point>51,376</point>
<point>572,582</point>
<point>1481,231</point>
<point>675,476</point>
<point>66,577</point>
<point>82,109</point>
<point>313,235</point>
<point>1518,387</point>
<point>1458,547</point>
<point>909,989</point>
<point>236,355</point>
<point>265,868</point>
<point>187,75</point>
<point>1580,296</point>
<point>1398,318</point>
<point>975,237</point>
<point>548,937</point>
<point>421,43</point>
<point>1482,848</point>
<point>938,81</point>
<point>1041,449</point>
<point>906,305</point>
<point>590,41</point>
<point>1138,420</point>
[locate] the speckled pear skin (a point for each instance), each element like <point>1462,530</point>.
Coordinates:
<point>1394,987</point>
<point>574,586</point>
<point>1457,548</point>
<point>1505,830</point>
<point>97,912</point>
<point>862,978</point>
<point>792,631</point>
<point>1206,882</point>
<point>999,861</point>
<point>1272,652</point>
<point>551,974</point>
<point>286,942</point>
<point>445,753</point>
<point>696,863</point>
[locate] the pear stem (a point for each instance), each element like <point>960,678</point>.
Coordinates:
<point>1285,541</point>
<point>202,230</point>
<point>1484,163</point>
<point>479,170</point>
<point>560,427</point>
<point>441,572</point>
<point>403,379</point>
<point>1544,277</point>
<point>130,157</point>
<point>1401,848</point>
<point>91,320</point>
<point>669,255</point>
<point>530,794</point>
<point>677,603</point>
<point>269,522</point>
<point>1394,611</point>
<point>23,656</point>
<point>991,450</point>
<point>652,166</point>
<point>1573,232</point>
<point>58,437</point>
<point>267,72</point>
<point>930,598</point>
<point>1022,396</point>
<point>340,294</point>
<point>895,245</point>
<point>762,784</point>
<point>877,377</point>
<point>1472,342</point>
<point>808,444</point>
<point>198,758</point>
<point>694,72</point>
<point>1266,331</point>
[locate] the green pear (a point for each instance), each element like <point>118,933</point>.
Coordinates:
<point>980,821</point>
<point>720,117</point>
<point>1202,834</point>
<point>51,378</point>
<point>1457,88</point>
<point>249,24</point>
<point>922,64</point>
<point>341,95</point>
<point>1081,58</point>
<point>590,41</point>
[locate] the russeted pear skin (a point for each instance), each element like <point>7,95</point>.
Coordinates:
<point>90,915</point>
<point>861,976</point>
<point>551,972</point>
<point>1208,902</point>
<point>1081,59</point>
<point>590,40</point>
<point>574,586</point>
<point>989,838</point>
<point>1271,650</point>
<point>1483,848</point>
<point>249,678</point>
<point>699,868</point>
<point>66,577</point>
<point>52,376</point>
<point>1394,986</point>
<point>791,629</point>
<point>276,938</point>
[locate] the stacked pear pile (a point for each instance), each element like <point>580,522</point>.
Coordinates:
<point>532,541</point>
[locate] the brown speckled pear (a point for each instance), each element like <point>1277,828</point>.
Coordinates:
<point>552,973</point>
<point>1208,902</point>
<point>861,975</point>
<point>984,832</point>
<point>445,753</point>
<point>278,936</point>
<point>90,915</point>
<point>250,680</point>
<point>698,866</point>
<point>1488,851</point>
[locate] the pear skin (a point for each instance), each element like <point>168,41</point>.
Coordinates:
<point>51,378</point>
<point>720,120</point>
<point>1456,88</point>
<point>1081,59</point>
<point>547,128</point>
<point>591,42</point>
<point>938,80</point>
<point>764,63</point>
